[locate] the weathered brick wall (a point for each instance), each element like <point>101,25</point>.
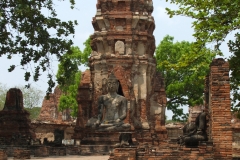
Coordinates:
<point>219,109</point>
<point>174,130</point>
<point>236,139</point>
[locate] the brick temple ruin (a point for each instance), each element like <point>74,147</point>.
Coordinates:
<point>51,119</point>
<point>123,46</point>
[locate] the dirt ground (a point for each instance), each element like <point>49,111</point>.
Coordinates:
<point>69,158</point>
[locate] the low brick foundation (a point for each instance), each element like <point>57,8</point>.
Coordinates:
<point>57,151</point>
<point>42,151</point>
<point>73,150</point>
<point>166,151</point>
<point>124,153</point>
<point>20,153</point>
<point>3,154</point>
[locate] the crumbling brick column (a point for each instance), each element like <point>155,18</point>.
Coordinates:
<point>219,109</point>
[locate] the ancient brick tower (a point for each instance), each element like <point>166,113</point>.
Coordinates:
<point>123,43</point>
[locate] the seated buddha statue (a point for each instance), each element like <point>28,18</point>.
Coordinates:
<point>112,108</point>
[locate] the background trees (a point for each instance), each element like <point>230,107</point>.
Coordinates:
<point>34,37</point>
<point>3,92</point>
<point>32,97</point>
<point>34,112</point>
<point>213,22</point>
<point>184,79</point>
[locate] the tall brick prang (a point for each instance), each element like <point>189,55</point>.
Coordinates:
<point>123,44</point>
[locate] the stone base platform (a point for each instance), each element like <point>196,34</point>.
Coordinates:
<point>100,138</point>
<point>102,143</point>
<point>96,149</point>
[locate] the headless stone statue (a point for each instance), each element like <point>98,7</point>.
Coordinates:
<point>193,133</point>
<point>112,109</point>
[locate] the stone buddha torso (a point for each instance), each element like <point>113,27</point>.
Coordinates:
<point>113,108</point>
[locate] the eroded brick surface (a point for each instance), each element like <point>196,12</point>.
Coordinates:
<point>15,125</point>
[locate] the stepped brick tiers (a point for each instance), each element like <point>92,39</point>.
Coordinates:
<point>15,125</point>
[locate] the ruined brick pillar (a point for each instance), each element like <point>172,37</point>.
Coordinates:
<point>84,104</point>
<point>219,109</point>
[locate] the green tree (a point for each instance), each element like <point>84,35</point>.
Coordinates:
<point>68,67</point>
<point>86,52</point>
<point>68,100</point>
<point>37,38</point>
<point>235,75</point>
<point>184,82</point>
<point>68,78</point>
<point>213,22</point>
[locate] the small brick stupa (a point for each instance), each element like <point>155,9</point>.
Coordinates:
<point>15,125</point>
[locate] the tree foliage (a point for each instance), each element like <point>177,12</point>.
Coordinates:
<point>235,74</point>
<point>213,22</point>
<point>68,67</point>
<point>36,38</point>
<point>69,99</point>
<point>68,78</point>
<point>86,52</point>
<point>184,81</point>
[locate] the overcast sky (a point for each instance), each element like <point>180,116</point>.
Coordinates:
<point>178,27</point>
